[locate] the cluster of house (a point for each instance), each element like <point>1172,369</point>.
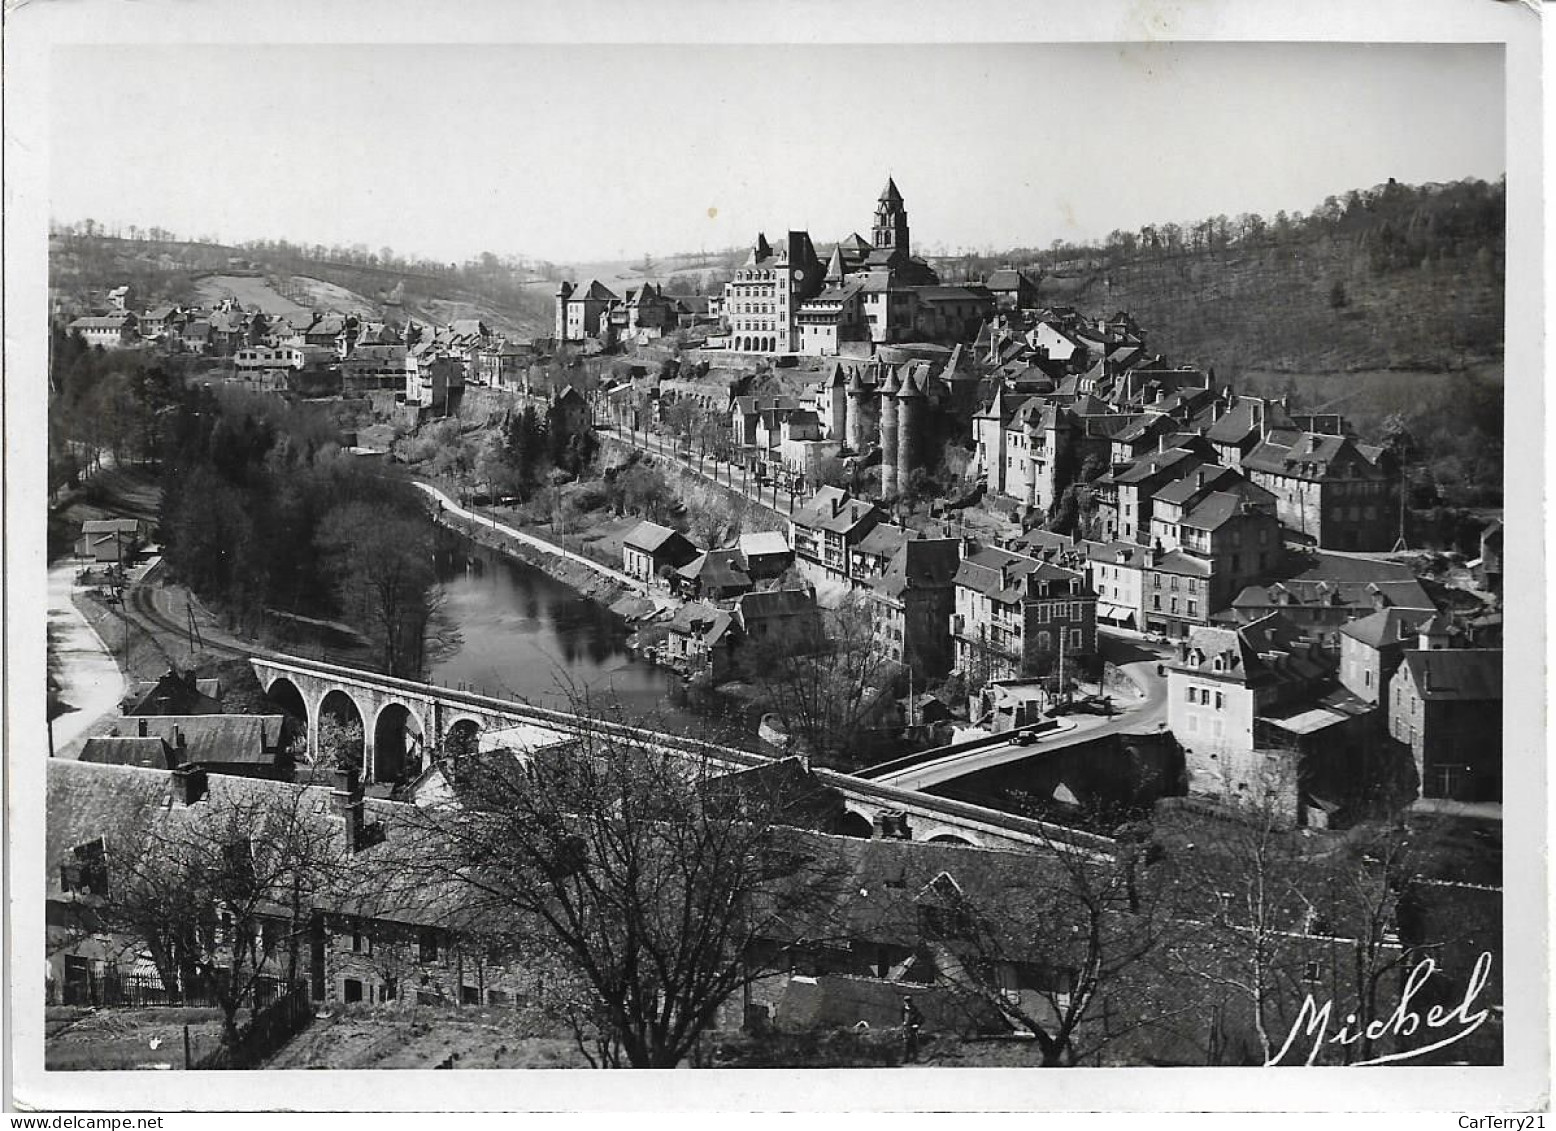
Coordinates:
<point>732,599</point>
<point>179,720</point>
<point>424,364</point>
<point>1213,513</point>
<point>592,311</point>
<point>967,932</point>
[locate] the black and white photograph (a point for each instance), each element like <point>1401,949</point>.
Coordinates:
<point>549,543</point>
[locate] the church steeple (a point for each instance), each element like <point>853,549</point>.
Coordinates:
<point>891,221</point>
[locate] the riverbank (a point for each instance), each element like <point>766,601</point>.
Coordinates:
<point>588,578</point>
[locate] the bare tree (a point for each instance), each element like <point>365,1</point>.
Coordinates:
<point>1249,886</point>
<point>219,891</point>
<point>642,876</point>
<point>1070,954</point>
<point>829,693</point>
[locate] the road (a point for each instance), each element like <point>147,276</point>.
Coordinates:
<point>730,476</point>
<point>90,682</point>
<point>1137,658</point>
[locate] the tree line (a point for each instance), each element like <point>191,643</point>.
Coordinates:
<point>263,509</point>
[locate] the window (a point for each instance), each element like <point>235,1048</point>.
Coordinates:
<point>361,941</point>
<point>427,945</point>
<point>1218,700</point>
<point>1190,694</point>
<point>1311,972</point>
<point>387,990</point>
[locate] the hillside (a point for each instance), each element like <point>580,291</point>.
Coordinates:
<point>1279,309</point>
<point>1387,278</point>
<point>282,279</point>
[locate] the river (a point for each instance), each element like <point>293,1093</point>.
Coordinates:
<point>526,636</point>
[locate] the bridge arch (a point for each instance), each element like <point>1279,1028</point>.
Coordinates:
<point>857,822</point>
<point>462,734</point>
<point>942,834</point>
<point>399,741</point>
<point>289,698</point>
<point>339,705</point>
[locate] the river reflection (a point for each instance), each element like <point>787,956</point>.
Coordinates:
<point>527,636</point>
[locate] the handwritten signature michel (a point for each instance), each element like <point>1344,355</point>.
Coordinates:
<point>1438,1026</point>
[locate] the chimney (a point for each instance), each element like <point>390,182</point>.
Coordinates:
<point>188,784</point>
<point>1264,427</point>
<point>1426,676</point>
<point>346,801</point>
<point>1199,479</point>
<point>347,789</point>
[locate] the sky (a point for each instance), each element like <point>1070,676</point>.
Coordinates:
<point>576,152</point>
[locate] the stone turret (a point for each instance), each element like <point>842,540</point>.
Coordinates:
<point>564,291</point>
<point>854,429</point>
<point>889,389</point>
<point>910,400</point>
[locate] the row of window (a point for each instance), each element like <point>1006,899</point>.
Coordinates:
<point>1191,610</point>
<point>1201,695</point>
<point>1061,611</point>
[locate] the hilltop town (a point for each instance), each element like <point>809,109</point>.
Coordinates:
<point>998,575</point>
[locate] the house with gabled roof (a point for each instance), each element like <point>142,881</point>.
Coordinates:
<point>649,550</point>
<point>1016,616</point>
<point>246,745</point>
<point>714,575</point>
<point>113,331</point>
<point>113,541</point>
<point>825,530</point>
<point>786,620</point>
<point>767,554</point>
<point>1372,646</point>
<point>1330,491</point>
<point>1221,683</point>
<point>1445,705</point>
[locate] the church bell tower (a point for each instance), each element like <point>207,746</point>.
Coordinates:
<point>891,221</point>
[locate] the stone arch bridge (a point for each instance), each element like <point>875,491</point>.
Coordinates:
<point>403,721</point>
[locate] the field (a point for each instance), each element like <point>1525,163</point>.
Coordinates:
<point>82,1039</point>
<point>425,1037</point>
<point>249,290</point>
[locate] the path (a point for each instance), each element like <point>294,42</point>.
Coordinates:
<point>90,681</point>
<point>661,600</point>
<point>772,497</point>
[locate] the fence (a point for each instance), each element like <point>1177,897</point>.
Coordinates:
<point>269,1029</point>
<point>112,988</point>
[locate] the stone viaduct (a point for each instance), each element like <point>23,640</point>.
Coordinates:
<point>404,723</point>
